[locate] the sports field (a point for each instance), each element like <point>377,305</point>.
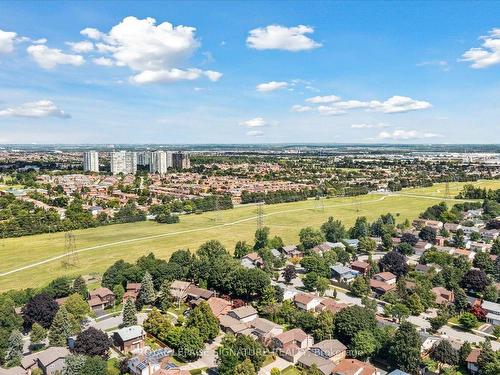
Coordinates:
<point>33,261</point>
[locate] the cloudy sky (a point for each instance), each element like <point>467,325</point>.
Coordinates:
<point>262,72</point>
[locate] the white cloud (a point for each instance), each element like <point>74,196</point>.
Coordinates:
<point>283,38</point>
<point>103,61</point>
<point>49,58</point>
<point>331,105</point>
<point>173,75</point>
<point>271,86</point>
<point>81,47</point>
<point>402,135</point>
<point>323,99</point>
<point>370,126</point>
<point>41,108</point>
<point>7,39</point>
<point>442,64</point>
<point>486,55</point>
<point>92,33</point>
<point>301,108</point>
<point>255,122</point>
<point>330,111</point>
<point>255,133</point>
<point>154,52</point>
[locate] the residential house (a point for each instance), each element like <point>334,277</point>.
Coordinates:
<point>173,370</point>
<point>219,306</point>
<point>386,277</point>
<point>354,243</point>
<point>322,364</point>
<point>350,366</point>
<point>101,298</point>
<point>329,304</point>
<point>129,339</point>
<point>244,314</point>
<point>472,361</point>
<point>493,312</point>
<point>17,370</point>
<point>469,255</point>
<point>229,324</point>
<point>421,246</point>
<point>423,268</point>
<point>149,362</point>
<point>443,295</point>
<point>381,287</point>
<point>50,361</point>
<point>342,273</point>
<point>306,301</point>
<point>194,293</point>
<point>427,341</point>
<point>480,246</point>
<point>252,260</point>
<point>291,251</point>
<point>178,289</point>
<point>333,350</point>
<point>265,330</point>
<point>452,227</point>
<point>131,292</point>
<point>490,234</point>
<point>291,345</point>
<point>360,266</point>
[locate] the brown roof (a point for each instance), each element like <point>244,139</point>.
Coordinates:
<point>101,292</point>
<point>196,292</point>
<point>354,367</point>
<point>303,298</point>
<point>218,305</point>
<point>377,284</point>
<point>172,371</point>
<point>295,334</point>
<point>473,356</point>
<point>133,286</point>
<point>385,275</point>
<point>244,312</point>
<point>360,264</point>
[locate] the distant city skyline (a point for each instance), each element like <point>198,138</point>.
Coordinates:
<point>249,72</point>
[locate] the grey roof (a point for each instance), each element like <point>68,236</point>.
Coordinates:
<point>46,357</point>
<point>13,371</point>
<point>276,253</point>
<point>324,365</point>
<point>130,333</point>
<point>491,307</point>
<point>244,311</point>
<point>330,348</point>
<point>398,372</point>
<point>263,325</point>
<point>340,269</point>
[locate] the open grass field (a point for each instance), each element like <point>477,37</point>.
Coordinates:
<point>32,261</point>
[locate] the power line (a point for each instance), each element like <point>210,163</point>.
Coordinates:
<point>71,259</point>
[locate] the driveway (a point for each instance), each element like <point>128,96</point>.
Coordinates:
<point>112,322</point>
<point>279,363</point>
<point>208,358</point>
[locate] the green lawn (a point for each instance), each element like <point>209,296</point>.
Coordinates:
<point>291,370</point>
<point>104,245</point>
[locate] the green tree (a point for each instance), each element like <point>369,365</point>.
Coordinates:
<point>360,287</point>
<point>415,304</point>
<point>94,365</point>
<point>310,237</point>
<point>261,238</point>
<point>119,292</point>
<point>333,230</point>
<point>405,348</point>
<point>367,245</point>
<point>190,343</point>
<point>322,285</point>
<point>62,327</point>
<point>364,344</point>
<point>483,261</point>
<point>9,320</point>
<point>129,314</point>
<point>310,280</point>
<point>275,371</point>
<point>352,319</point>
<point>445,353</point>
<point>80,287</point>
<point>467,320</point>
<point>38,334</point>
<point>157,324</point>
<point>234,350</point>
<point>360,229</point>
<point>74,364</point>
<point>461,303</point>
<point>245,368</point>
<point>397,311</point>
<point>77,306</point>
<point>147,293</point>
<point>201,317</point>
<point>491,293</point>
<point>241,249</point>
<point>14,348</point>
<point>324,326</point>
<point>165,297</point>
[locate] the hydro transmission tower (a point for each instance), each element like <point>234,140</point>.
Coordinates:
<point>447,190</point>
<point>319,204</point>
<point>71,258</point>
<point>217,210</point>
<point>260,215</point>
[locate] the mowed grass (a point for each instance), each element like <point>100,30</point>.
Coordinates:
<point>130,241</point>
<point>439,190</point>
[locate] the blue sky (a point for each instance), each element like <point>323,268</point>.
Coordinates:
<point>249,72</point>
